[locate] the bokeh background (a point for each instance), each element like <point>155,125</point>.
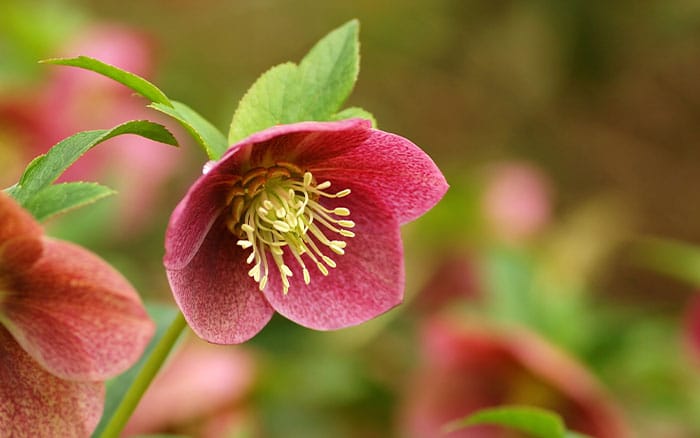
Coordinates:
<point>559,271</point>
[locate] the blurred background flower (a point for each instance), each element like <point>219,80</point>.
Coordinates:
<point>203,390</point>
<point>467,367</point>
<point>71,100</point>
<point>566,129</point>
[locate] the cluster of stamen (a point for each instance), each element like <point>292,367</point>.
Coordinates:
<point>277,209</point>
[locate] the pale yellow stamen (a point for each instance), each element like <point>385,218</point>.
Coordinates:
<point>276,209</point>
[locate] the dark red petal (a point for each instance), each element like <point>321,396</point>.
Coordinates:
<point>368,279</point>
<point>15,221</point>
<point>280,142</point>
<point>192,219</point>
<point>403,176</point>
<point>220,301</point>
<point>34,402</point>
<point>75,315</point>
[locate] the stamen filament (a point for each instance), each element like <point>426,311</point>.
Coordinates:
<point>277,207</point>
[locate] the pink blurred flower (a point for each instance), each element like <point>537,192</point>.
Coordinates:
<point>470,367</point>
<point>517,200</point>
<point>68,321</point>
<point>73,100</point>
<point>267,204</point>
<point>202,388</point>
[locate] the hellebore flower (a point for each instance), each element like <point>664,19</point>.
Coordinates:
<point>68,321</point>
<point>311,211</point>
<point>468,367</point>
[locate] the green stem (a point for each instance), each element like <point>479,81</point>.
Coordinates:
<point>143,380</point>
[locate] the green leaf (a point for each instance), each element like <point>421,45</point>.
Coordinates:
<point>267,102</point>
<point>329,72</point>
<point>677,259</point>
<point>206,134</point>
<point>355,112</point>
<point>136,83</point>
<point>45,169</point>
<point>537,422</point>
<point>117,387</point>
<point>313,90</point>
<point>59,198</point>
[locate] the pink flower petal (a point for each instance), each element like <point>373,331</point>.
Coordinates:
<point>191,221</point>
<point>220,302</point>
<point>19,254</point>
<point>368,279</point>
<point>75,315</point>
<point>15,221</point>
<point>283,140</point>
<point>34,402</point>
<point>400,173</point>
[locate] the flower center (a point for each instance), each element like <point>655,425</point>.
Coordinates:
<point>277,209</point>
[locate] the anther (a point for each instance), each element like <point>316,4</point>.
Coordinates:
<point>322,268</point>
<point>285,270</point>
<point>308,179</point>
<point>282,227</point>
<point>329,261</point>
<point>245,244</point>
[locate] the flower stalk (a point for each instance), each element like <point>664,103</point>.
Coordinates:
<point>145,377</point>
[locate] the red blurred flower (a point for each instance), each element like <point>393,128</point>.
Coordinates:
<point>473,367</point>
<point>455,278</point>
<point>324,258</point>
<point>68,321</point>
<point>692,327</point>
